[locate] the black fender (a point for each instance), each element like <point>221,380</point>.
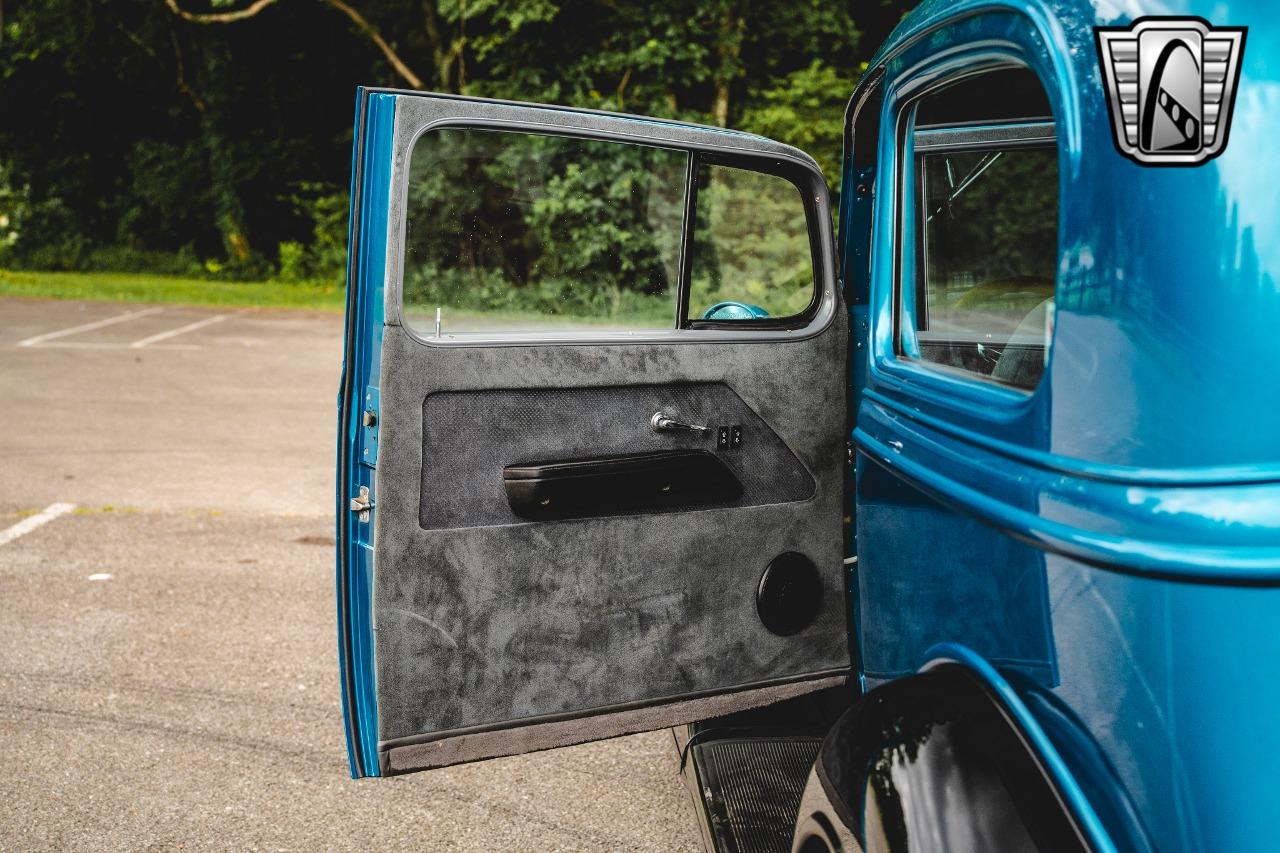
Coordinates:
<point>932,762</point>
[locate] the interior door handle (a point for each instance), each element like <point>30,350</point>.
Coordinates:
<point>662,422</point>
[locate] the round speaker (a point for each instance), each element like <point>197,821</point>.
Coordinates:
<point>789,594</point>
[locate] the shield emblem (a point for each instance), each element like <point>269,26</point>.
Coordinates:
<point>1171,85</point>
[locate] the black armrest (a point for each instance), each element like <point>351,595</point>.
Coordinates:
<point>641,482</point>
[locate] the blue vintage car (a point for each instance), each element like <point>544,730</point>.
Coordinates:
<point>956,527</point>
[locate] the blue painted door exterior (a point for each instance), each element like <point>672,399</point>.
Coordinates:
<point>366,251</point>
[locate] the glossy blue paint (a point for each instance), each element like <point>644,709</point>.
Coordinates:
<point>340,522</point>
<point>1109,543</point>
<point>364,325</point>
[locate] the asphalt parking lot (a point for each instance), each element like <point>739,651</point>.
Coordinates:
<point>167,653</point>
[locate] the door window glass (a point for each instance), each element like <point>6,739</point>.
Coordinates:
<point>523,232</point>
<point>752,257</point>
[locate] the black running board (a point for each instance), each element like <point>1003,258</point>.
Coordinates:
<point>751,790</point>
<point>747,771</point>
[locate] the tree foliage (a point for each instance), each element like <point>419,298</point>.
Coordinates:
<point>144,134</point>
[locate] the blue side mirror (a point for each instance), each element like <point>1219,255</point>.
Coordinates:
<point>735,311</point>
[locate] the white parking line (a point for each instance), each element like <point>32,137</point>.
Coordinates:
<point>181,330</point>
<point>97,324</point>
<point>107,345</point>
<point>22,528</point>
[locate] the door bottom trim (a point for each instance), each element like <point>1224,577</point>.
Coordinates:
<point>493,740</point>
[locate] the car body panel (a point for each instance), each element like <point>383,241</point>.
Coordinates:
<point>946,759</point>
<point>1110,542</point>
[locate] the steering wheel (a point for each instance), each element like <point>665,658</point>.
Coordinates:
<point>735,311</point>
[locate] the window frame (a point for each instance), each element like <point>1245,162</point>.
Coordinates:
<point>954,44</point>
<point>778,169</point>
<point>906,248</point>
<point>800,171</point>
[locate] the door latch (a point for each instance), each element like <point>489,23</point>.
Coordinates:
<point>361,505</point>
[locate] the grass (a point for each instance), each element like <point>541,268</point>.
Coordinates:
<point>139,287</point>
<point>144,287</point>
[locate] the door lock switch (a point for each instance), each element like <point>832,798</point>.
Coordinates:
<point>729,437</point>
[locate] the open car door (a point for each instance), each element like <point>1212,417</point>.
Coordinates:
<point>592,455</point>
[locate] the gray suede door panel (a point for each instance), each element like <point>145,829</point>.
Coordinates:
<point>470,436</point>
<point>483,620</point>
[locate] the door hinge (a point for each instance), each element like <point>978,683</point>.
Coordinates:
<point>361,505</point>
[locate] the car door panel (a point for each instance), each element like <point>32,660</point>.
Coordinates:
<point>494,634</point>
<point>490,623</point>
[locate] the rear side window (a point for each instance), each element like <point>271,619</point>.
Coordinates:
<point>978,298</point>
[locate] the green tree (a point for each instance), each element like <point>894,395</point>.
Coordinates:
<point>180,134</point>
<point>805,109</point>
